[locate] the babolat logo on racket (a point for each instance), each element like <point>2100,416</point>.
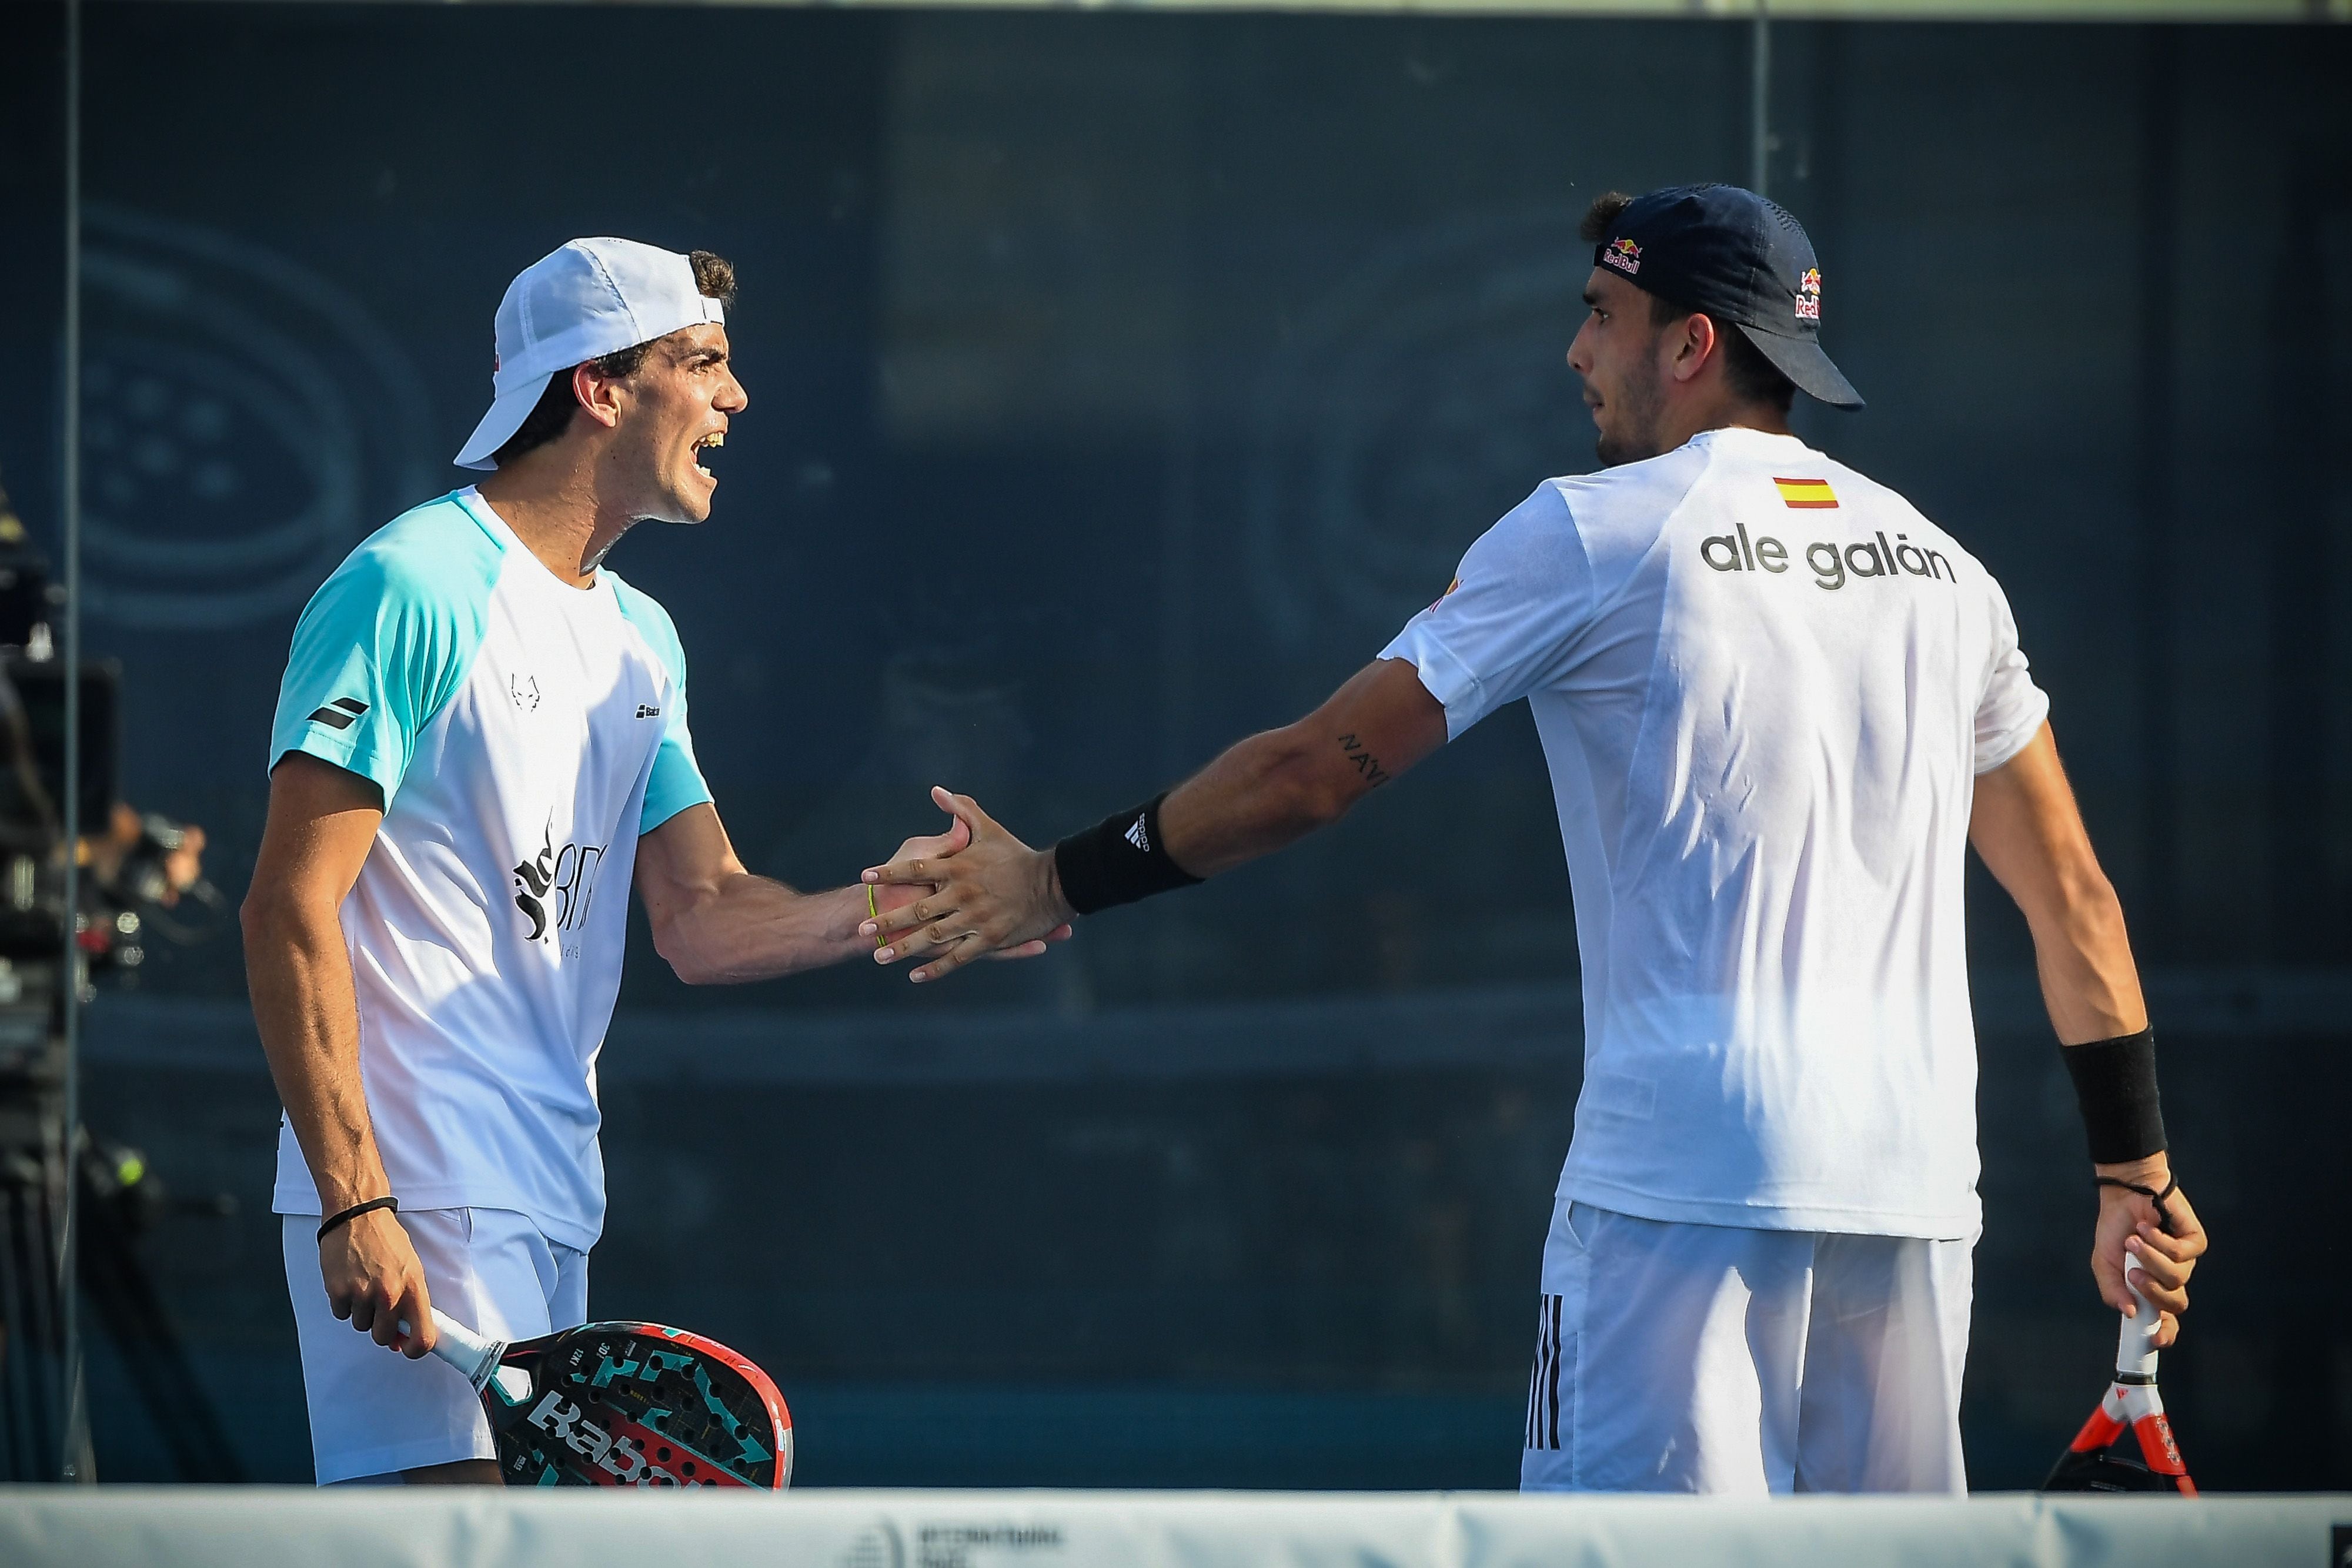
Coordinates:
<point>623,1458</point>
<point>624,1404</point>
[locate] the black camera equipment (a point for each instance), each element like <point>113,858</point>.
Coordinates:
<point>116,1196</point>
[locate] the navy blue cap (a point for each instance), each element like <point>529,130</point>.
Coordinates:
<point>1741,259</point>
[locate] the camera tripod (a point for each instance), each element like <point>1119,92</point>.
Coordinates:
<point>42,1403</point>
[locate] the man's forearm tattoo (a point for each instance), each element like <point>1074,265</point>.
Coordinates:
<point>1366,763</point>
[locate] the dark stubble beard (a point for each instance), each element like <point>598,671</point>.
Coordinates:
<point>1640,408</point>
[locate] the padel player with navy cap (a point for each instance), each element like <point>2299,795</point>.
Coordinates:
<point>1777,704</point>
<point>480,742</point>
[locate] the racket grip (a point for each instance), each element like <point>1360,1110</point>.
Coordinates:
<point>462,1348</point>
<point>2135,1350</point>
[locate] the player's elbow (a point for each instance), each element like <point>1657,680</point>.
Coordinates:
<point>273,915</point>
<point>2097,910</point>
<point>1324,802</point>
<point>252,915</point>
<point>693,971</point>
<point>674,942</point>
<point>1305,791</point>
<point>688,971</point>
<point>2081,883</point>
<point>701,946</point>
<point>2081,903</point>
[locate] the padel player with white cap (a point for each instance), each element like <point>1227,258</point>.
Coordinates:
<point>1777,704</point>
<point>480,742</point>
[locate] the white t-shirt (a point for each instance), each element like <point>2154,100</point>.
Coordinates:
<point>524,733</point>
<point>1765,686</point>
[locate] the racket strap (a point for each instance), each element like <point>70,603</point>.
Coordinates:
<point>2163,1215</point>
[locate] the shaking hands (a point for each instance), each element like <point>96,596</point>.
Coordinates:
<point>973,891</point>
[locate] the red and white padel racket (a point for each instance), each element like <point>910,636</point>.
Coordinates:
<point>2126,1445</point>
<point>624,1404</point>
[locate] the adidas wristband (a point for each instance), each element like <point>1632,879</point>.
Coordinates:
<point>2114,1082</point>
<point>1117,861</point>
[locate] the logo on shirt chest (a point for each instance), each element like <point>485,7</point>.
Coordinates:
<point>555,887</point>
<point>524,690</point>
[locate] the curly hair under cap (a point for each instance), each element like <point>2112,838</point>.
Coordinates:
<point>1600,214</point>
<point>714,275</point>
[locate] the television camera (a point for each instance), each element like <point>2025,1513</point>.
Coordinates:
<point>130,869</point>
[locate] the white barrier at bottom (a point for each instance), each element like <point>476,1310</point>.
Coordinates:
<point>453,1528</point>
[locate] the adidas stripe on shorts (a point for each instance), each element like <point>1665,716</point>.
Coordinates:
<point>1701,1358</point>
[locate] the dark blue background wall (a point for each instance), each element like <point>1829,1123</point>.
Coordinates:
<point>1119,383</point>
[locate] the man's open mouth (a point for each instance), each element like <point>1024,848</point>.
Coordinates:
<point>716,438</point>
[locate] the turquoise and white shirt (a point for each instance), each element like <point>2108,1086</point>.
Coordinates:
<point>524,733</point>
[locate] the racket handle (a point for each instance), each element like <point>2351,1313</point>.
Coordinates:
<point>2135,1351</point>
<point>462,1348</point>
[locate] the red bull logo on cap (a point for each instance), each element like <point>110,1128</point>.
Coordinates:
<point>1623,254</point>
<point>1808,294</point>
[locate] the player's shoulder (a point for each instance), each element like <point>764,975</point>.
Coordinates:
<point>1629,495</point>
<point>435,556</point>
<point>652,621</point>
<point>641,609</point>
<point>1614,516</point>
<point>1853,487</point>
<point>1655,483</point>
<point>1884,506</point>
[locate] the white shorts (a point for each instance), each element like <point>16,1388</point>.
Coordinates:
<point>373,1412</point>
<point>1705,1358</point>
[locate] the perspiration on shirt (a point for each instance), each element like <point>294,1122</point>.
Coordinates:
<point>1765,686</point>
<point>524,733</point>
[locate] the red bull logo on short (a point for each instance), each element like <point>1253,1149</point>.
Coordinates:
<point>1623,254</point>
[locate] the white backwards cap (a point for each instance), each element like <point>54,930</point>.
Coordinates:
<point>591,297</point>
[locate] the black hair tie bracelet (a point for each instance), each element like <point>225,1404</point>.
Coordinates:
<point>2163,1218</point>
<point>355,1210</point>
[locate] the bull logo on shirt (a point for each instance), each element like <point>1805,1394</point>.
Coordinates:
<point>564,878</point>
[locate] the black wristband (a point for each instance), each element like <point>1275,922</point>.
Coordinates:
<point>353,1212</point>
<point>2114,1081</point>
<point>1117,861</point>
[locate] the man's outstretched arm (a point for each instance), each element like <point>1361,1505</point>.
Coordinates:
<point>2031,835</point>
<point>718,924</point>
<point>1265,792</point>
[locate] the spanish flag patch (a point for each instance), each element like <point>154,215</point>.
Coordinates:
<point>1806,494</point>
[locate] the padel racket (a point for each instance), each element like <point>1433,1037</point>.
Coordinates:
<point>2126,1445</point>
<point>624,1404</point>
